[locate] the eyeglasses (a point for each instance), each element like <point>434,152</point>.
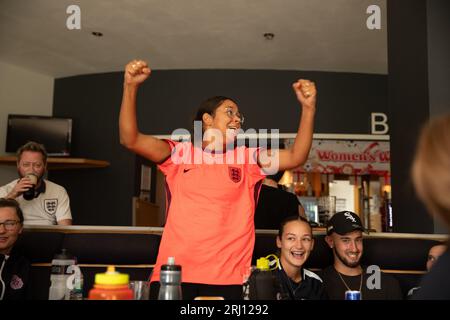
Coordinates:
<point>9,224</point>
<point>231,114</point>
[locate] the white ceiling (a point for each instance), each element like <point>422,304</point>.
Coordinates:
<point>322,35</point>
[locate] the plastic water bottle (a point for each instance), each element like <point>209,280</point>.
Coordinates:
<point>170,281</point>
<point>262,283</point>
<point>74,284</point>
<point>111,285</point>
<point>59,274</point>
<point>246,283</point>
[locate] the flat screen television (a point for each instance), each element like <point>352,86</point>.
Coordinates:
<point>54,133</point>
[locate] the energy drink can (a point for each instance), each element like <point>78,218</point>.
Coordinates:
<point>352,295</point>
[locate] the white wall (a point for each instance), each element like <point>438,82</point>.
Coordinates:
<point>342,189</point>
<point>21,92</point>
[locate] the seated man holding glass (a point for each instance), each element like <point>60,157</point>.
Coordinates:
<point>42,201</point>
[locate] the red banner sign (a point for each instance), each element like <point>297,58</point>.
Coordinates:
<point>348,157</point>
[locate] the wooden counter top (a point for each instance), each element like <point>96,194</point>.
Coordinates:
<point>61,163</point>
<point>159,230</point>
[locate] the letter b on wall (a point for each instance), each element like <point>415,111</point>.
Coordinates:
<point>378,122</point>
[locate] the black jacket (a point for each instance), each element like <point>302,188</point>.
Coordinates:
<point>310,288</point>
<point>14,277</point>
<point>436,284</point>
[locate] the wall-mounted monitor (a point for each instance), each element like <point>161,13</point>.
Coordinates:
<point>54,133</point>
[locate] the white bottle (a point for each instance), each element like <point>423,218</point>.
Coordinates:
<point>74,284</point>
<point>59,275</point>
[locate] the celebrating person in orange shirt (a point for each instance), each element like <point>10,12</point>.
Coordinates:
<point>211,188</point>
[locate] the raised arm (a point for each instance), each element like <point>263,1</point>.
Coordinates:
<point>297,155</point>
<point>154,149</point>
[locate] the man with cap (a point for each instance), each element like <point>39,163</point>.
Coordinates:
<point>344,237</point>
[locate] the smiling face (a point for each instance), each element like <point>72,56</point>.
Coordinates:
<point>225,122</point>
<point>347,248</point>
<point>9,236</point>
<point>296,244</point>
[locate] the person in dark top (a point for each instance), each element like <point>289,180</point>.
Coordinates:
<point>295,241</point>
<point>344,236</point>
<point>275,204</point>
<point>14,268</point>
<point>433,256</point>
<point>431,177</point>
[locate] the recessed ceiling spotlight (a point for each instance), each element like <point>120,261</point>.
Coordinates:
<point>269,36</point>
<point>97,34</point>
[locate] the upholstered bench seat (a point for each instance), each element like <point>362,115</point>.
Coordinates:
<point>133,250</point>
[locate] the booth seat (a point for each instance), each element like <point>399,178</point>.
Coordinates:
<point>133,250</point>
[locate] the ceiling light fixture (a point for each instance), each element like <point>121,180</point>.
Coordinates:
<point>269,35</point>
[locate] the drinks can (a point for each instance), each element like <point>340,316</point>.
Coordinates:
<point>352,295</point>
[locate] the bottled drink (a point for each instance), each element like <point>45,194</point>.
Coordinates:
<point>59,274</point>
<point>170,281</point>
<point>74,284</point>
<point>262,283</point>
<point>246,283</point>
<point>389,220</point>
<point>386,213</point>
<point>111,285</point>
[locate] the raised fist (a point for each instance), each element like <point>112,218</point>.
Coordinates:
<point>306,92</point>
<point>136,72</point>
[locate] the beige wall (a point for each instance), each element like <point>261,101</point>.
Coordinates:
<point>22,91</point>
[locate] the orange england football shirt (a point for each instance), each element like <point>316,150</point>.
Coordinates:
<point>210,214</point>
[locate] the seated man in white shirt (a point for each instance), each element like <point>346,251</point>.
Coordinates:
<point>42,201</point>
